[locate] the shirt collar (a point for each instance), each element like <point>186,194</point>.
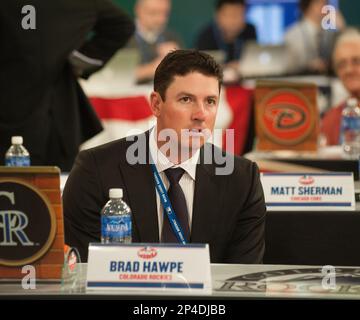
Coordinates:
<point>162,162</point>
<point>149,36</point>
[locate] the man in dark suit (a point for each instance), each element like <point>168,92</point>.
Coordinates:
<point>45,45</point>
<point>217,197</point>
<point>228,31</point>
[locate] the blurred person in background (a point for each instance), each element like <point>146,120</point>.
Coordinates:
<point>152,37</point>
<point>45,46</point>
<point>228,31</point>
<point>346,60</point>
<point>310,45</point>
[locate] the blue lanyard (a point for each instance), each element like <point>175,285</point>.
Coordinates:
<point>164,198</point>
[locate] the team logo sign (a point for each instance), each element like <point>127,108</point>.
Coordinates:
<point>286,117</point>
<point>27,223</point>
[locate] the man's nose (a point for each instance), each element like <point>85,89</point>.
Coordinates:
<point>348,67</point>
<point>200,112</point>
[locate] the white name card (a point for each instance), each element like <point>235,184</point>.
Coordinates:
<point>152,267</point>
<point>308,191</point>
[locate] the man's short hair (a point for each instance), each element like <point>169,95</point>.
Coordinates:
<point>351,34</point>
<point>304,5</point>
<point>221,3</point>
<point>181,63</point>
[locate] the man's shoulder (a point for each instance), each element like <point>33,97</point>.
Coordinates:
<point>219,158</point>
<point>249,32</point>
<point>332,116</point>
<point>294,30</point>
<point>335,111</point>
<point>116,149</point>
<point>107,147</point>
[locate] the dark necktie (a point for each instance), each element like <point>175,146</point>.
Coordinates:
<point>178,203</point>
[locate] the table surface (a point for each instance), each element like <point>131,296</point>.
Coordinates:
<point>228,282</point>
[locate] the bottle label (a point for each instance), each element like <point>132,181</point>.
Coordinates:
<point>17,161</point>
<point>116,226</point>
<point>351,123</point>
<point>350,127</point>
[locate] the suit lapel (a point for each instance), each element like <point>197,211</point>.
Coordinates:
<point>140,189</point>
<point>208,198</point>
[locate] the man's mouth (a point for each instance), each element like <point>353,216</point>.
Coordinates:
<point>196,131</point>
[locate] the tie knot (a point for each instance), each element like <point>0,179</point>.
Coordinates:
<point>174,175</point>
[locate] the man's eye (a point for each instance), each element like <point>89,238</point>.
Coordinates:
<point>211,101</point>
<point>356,61</point>
<point>185,99</point>
<point>340,65</point>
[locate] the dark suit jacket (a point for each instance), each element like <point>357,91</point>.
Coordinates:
<point>40,97</point>
<point>228,210</point>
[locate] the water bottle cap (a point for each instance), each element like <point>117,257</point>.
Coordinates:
<point>352,102</point>
<point>17,140</point>
<point>116,193</point>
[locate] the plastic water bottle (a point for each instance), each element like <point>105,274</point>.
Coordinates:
<point>116,219</point>
<point>350,129</point>
<point>17,155</point>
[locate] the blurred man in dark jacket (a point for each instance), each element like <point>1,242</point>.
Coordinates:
<point>229,30</point>
<point>45,45</point>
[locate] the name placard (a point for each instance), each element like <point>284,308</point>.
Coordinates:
<point>308,191</point>
<point>184,268</point>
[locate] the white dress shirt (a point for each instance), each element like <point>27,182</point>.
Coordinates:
<point>301,39</point>
<point>187,181</point>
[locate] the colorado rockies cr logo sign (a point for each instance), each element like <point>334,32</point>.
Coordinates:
<point>27,223</point>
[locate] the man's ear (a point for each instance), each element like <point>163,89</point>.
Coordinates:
<point>155,103</point>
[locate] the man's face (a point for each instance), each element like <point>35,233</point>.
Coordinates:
<point>230,19</point>
<point>315,9</point>
<point>347,66</point>
<point>190,107</point>
<point>153,14</point>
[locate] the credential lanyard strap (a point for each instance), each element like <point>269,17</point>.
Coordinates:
<point>164,198</point>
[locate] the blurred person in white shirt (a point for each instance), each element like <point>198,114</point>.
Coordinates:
<point>309,43</point>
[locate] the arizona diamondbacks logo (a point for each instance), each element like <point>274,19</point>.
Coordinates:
<point>27,223</point>
<point>286,123</point>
